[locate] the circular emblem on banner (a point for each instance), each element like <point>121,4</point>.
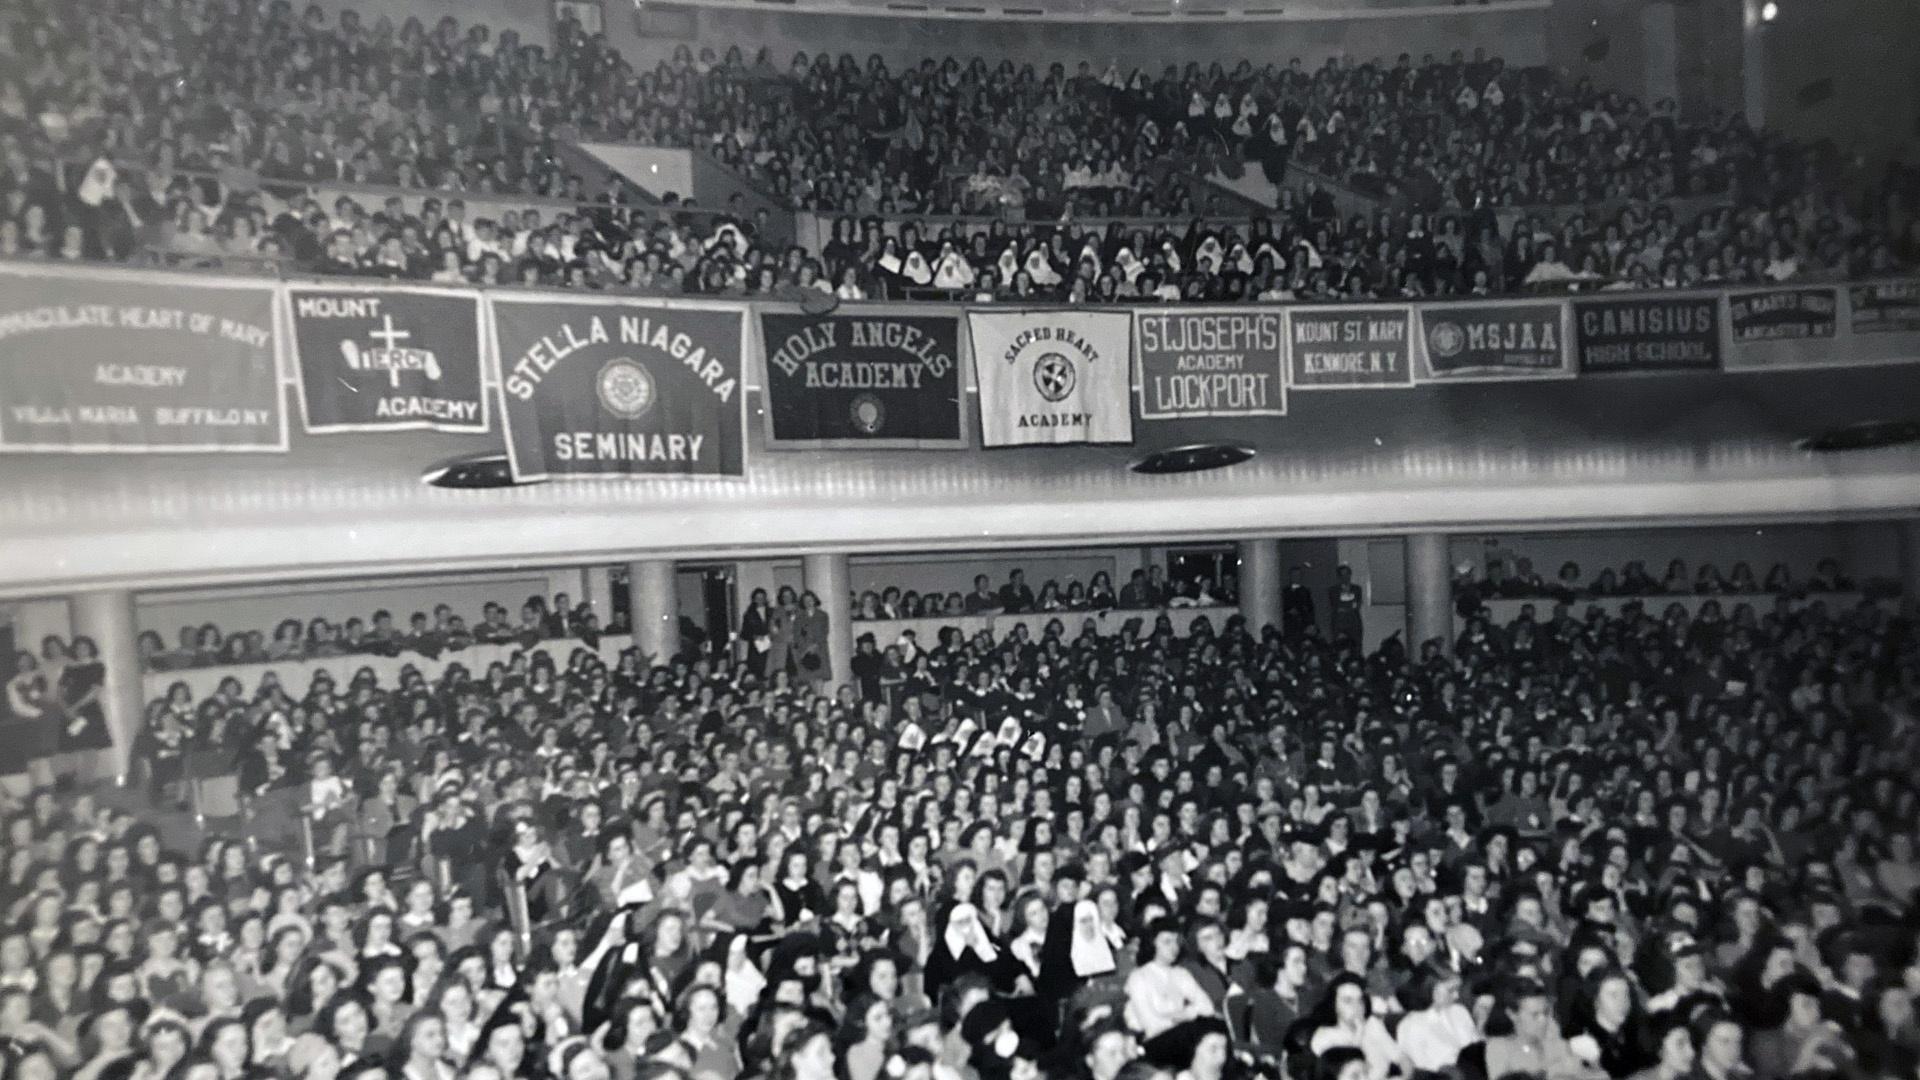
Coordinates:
<point>1053,376</point>
<point>867,415</point>
<point>625,388</point>
<point>1446,339</point>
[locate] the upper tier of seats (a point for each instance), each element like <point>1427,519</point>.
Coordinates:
<point>204,130</point>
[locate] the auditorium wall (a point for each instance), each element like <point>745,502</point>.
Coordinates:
<point>261,608</point>
<point>1616,43</point>
<point>34,620</point>
<point>1854,62</point>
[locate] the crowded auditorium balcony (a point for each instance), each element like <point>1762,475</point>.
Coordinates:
<point>1396,151</point>
<point>959,540</point>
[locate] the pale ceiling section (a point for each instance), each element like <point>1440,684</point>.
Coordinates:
<point>1669,449</point>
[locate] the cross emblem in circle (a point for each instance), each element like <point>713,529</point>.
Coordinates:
<point>1053,376</point>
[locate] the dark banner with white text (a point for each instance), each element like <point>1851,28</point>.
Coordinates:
<point>388,359</point>
<point>1647,333</point>
<point>620,388</point>
<point>871,380</point>
<point>1492,341</point>
<point>1222,362</point>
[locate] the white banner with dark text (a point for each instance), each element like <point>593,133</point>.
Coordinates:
<point>1053,376</point>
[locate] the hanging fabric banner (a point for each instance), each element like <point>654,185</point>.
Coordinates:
<point>105,363</point>
<point>1348,348</point>
<point>1885,307</point>
<point>866,381</point>
<point>1822,326</point>
<point>1210,362</point>
<point>1492,341</point>
<point>1769,329</point>
<point>1052,376</point>
<point>620,388</point>
<point>388,359</point>
<point>1648,333</point>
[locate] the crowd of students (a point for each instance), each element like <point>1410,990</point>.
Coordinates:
<point>442,630</point>
<point>1518,579</point>
<point>200,129</point>
<point>1637,849</point>
<point>381,634</point>
<point>1146,589</point>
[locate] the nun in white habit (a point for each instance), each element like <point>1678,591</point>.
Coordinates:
<point>964,947</point>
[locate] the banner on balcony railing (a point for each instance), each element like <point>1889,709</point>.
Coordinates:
<point>1350,348</point>
<point>1781,328</point>
<point>1822,326</point>
<point>1884,307</point>
<point>1198,362</point>
<point>1491,341</point>
<point>620,388</point>
<point>388,359</point>
<point>1052,376</point>
<point>868,381</point>
<point>1648,333</point>
<point>103,364</point>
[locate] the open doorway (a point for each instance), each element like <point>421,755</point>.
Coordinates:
<point>707,606</point>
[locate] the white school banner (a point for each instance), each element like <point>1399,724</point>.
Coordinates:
<point>1053,376</point>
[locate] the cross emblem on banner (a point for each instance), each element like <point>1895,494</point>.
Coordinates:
<point>390,337</point>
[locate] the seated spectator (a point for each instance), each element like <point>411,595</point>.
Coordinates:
<point>1345,1019</point>
<point>1534,1046</point>
<point>1436,1026</point>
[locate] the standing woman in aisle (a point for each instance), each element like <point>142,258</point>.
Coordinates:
<point>780,621</point>
<point>83,720</point>
<point>755,631</point>
<point>810,645</point>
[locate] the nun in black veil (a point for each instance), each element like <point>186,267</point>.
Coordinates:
<point>645,960</point>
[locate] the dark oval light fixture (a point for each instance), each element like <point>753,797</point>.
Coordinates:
<point>1196,458</point>
<point>475,473</point>
<point>1865,435</point>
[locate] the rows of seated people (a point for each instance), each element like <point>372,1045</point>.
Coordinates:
<point>292,94</point>
<point>1146,589</point>
<point>1296,253</point>
<point>380,634</point>
<point>1243,853</point>
<point>1633,579</point>
<point>358,102</point>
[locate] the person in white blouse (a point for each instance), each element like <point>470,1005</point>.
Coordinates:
<point>1346,1019</point>
<point>1437,1026</point>
<point>1161,993</point>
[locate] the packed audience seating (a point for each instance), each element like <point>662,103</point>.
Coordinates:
<point>1521,580</point>
<point>1145,590</point>
<point>220,168</point>
<point>380,634</point>
<point>1634,851</point>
